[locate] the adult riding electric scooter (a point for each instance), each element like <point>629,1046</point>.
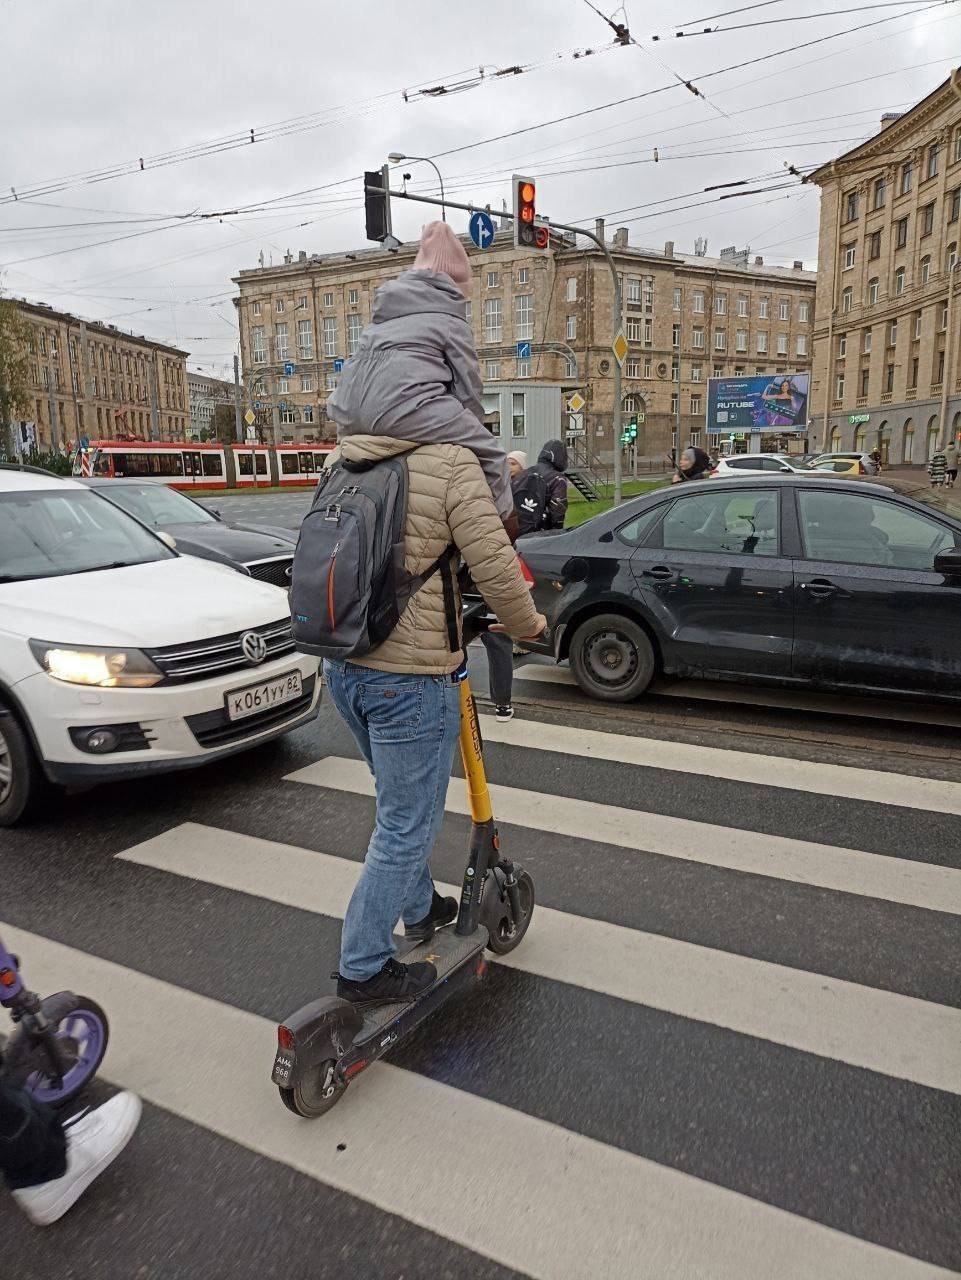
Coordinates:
<point>59,1041</point>
<point>325,1044</point>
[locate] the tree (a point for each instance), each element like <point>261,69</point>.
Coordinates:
<point>222,424</point>
<point>14,366</point>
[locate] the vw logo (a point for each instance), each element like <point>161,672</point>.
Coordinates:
<point>253,647</point>
<point>289,572</point>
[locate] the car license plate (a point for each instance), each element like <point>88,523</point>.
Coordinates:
<point>262,697</point>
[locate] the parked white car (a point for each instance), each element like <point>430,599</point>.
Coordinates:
<point>119,657</point>
<point>738,464</point>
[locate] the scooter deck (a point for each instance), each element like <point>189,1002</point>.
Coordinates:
<point>448,952</point>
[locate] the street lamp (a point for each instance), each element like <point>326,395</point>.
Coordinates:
<point>398,157</point>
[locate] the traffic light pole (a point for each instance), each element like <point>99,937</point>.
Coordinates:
<point>618,307</point>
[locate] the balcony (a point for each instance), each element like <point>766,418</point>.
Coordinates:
<point>936,388</point>
<point>860,402</point>
<point>836,404</point>
<point>911,393</point>
<point>886,397</point>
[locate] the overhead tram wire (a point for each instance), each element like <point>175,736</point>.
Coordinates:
<point>802,17</point>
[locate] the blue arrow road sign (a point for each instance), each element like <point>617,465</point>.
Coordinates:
<point>289,367</point>
<point>338,366</point>
<point>282,406</point>
<point>523,351</point>
<point>258,405</point>
<point>481,229</point>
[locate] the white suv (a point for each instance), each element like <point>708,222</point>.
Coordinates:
<point>119,657</point>
<point>739,463</point>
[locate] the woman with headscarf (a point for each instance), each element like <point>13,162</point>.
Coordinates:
<point>694,464</point>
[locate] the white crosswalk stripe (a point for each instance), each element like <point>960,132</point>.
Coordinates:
<point>573,1207</point>
<point>807,1011</point>
<point>804,862</point>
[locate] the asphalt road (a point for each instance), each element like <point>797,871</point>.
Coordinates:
<point>284,509</point>
<point>729,1048</point>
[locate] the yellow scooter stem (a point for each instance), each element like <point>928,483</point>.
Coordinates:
<point>472,755</point>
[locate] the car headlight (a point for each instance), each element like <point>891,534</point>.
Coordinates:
<point>104,668</point>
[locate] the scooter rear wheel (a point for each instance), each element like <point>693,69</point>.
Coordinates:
<point>505,933</point>
<point>316,1095</point>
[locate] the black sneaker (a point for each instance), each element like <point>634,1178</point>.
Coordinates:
<point>442,911</point>
<point>504,713</point>
<point>395,982</point>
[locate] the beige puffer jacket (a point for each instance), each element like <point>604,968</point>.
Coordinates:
<point>448,501</point>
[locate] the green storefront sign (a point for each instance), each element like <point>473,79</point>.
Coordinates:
<point>856,419</point>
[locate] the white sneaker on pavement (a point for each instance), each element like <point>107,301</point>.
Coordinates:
<point>92,1142</point>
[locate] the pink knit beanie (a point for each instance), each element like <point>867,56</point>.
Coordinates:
<point>441,250</point>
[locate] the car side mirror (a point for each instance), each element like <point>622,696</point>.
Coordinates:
<point>216,513</point>
<point>948,563</point>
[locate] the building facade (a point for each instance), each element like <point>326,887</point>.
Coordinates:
<point>686,318</point>
<point>204,395</point>
<point>96,381</point>
<point>887,372</point>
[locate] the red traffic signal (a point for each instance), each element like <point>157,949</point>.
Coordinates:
<point>528,233</point>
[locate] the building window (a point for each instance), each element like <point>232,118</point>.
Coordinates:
<point>570,367</point>
<point>633,329</point>
<point>493,320</point>
<point>899,278</point>
<point>802,344</point>
<point>328,299</point>
<point>847,300</point>
<point>927,219</point>
<point>570,329</point>
<point>306,382</point>
<point>649,294</point>
<point>633,289</point>
<point>493,279</point>
<point>900,233</point>
<point>938,370</point>
<point>762,343</point>
<point>951,261</point>
<point>917,324</point>
<point>279,305</point>
<point>696,370</point>
<point>874,290</point>
<point>355,325</point>
<point>518,414</point>
<point>648,331</point>
<point>302,302</point>
<point>675,402</point>
<point>280,341</point>
<point>742,305</point>
<point>675,335</point>
<point>874,245</point>
<point>720,340</point>
<point>633,367</point>
<point>523,275</point>
<point>524,316</point>
<point>698,338</point>
<point>720,304</point>
<point>493,371</point>
<point>330,337</point>
<point>305,339</point>
<point>308,413</point>
<point>764,308</point>
<point>257,309</point>
<point>839,387</point>
<point>740,340</point>
<point>523,368</point>
<point>925,269</point>
<point>677,299</point>
<point>907,178</point>
<point>934,156</point>
<point>954,208</point>
<point>283,386</point>
<point>698,305</point>
<point>880,193</point>
<point>648,363</point>
<point>784,309</point>
<point>717,371</point>
<point>957,145</point>
<point>889,378</point>
<point>695,404</point>
<point>572,288</point>
<point>893,334</point>
<point>675,369</point>
<point>259,340</point>
<point>865,378</point>
<point>842,346</point>
<point>331,382</point>
<point>851,206</point>
<point>943,320</point>
<point>782,344</point>
<point>353,297</point>
<point>288,416</point>
<point>914,373</point>
<point>867,342</point>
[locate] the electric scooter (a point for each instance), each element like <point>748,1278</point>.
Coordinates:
<point>328,1042</point>
<point>59,1041</point>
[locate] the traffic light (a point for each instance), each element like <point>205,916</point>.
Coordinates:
<point>529,233</point>
<point>377,203</point>
<point>629,432</point>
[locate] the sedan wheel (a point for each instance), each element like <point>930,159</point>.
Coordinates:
<point>612,658</point>
<point>22,784</point>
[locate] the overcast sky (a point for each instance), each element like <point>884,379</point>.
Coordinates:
<point>88,88</point>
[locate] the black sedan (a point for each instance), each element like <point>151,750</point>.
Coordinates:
<point>265,552</point>
<point>852,585</point>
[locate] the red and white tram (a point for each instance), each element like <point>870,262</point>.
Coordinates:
<point>185,465</point>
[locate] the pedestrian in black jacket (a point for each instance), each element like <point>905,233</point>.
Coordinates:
<point>552,464</point>
<point>694,464</point>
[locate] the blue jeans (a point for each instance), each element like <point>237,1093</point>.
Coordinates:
<point>407,727</point>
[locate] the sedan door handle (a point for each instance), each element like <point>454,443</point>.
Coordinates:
<point>659,571</point>
<point>820,588</point>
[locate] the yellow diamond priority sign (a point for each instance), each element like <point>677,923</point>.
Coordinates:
<point>250,418</point>
<point>619,347</point>
<point>576,402</point>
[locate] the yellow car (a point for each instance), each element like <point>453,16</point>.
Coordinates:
<point>848,465</point>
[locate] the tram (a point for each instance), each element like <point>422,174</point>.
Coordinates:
<point>186,465</point>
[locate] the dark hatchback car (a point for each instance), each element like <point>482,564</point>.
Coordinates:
<point>839,584</point>
<point>265,552</point>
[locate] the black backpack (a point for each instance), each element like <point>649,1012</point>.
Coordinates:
<point>349,586</point>
<point>531,496</point>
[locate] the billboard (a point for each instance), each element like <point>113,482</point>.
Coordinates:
<point>763,403</point>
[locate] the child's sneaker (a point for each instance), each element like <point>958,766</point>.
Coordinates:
<point>504,713</point>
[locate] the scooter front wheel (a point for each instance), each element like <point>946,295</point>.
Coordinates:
<point>81,1035</point>
<point>314,1096</point>
<point>504,931</point>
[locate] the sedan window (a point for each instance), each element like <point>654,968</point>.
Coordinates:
<point>741,524</point>
<point>850,529</point>
<point>636,530</point>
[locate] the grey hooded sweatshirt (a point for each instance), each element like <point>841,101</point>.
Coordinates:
<point>415,376</point>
